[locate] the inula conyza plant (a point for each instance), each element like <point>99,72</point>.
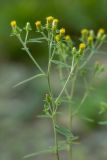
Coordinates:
<point>72,64</point>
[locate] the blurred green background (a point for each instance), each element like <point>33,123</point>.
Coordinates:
<point>21,132</point>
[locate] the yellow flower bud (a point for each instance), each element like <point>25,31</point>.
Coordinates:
<point>57,38</point>
<point>101,31</point>
<point>13,24</point>
<point>74,50</point>
<point>62,32</point>
<point>90,40</point>
<point>82,46</point>
<point>49,19</point>
<point>67,38</point>
<point>55,23</point>
<point>84,31</point>
<point>38,25</point>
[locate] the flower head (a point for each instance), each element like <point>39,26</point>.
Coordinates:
<point>90,40</point>
<point>38,25</point>
<point>55,23</point>
<point>57,38</point>
<point>82,46</point>
<point>84,31</point>
<point>13,24</point>
<point>62,32</point>
<point>101,31</point>
<point>49,19</point>
<point>67,38</point>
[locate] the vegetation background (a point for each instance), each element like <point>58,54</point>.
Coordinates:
<point>21,132</point>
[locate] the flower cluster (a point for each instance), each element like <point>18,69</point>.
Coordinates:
<point>87,39</point>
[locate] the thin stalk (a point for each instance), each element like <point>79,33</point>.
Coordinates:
<point>90,55</point>
<point>69,96</point>
<point>29,79</point>
<point>69,76</point>
<point>84,97</point>
<point>51,54</point>
<point>70,109</point>
<point>82,101</point>
<point>26,37</point>
<point>30,55</point>
<point>55,139</point>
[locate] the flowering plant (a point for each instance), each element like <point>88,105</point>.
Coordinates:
<point>72,63</point>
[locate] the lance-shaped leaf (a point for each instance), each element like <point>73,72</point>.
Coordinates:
<point>87,119</point>
<point>60,63</point>
<point>102,122</point>
<point>28,80</point>
<point>64,131</point>
<point>61,147</point>
<point>36,40</point>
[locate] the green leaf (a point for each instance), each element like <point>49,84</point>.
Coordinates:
<point>28,80</point>
<point>50,150</point>
<point>87,119</point>
<point>37,40</point>
<point>60,63</point>
<point>103,108</point>
<point>43,116</point>
<point>102,122</point>
<point>64,131</point>
<point>46,151</point>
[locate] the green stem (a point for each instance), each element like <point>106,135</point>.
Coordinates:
<point>90,55</point>
<point>30,55</point>
<point>69,97</point>
<point>55,139</point>
<point>50,92</point>
<point>82,101</point>
<point>70,109</point>
<point>69,76</point>
<point>26,37</point>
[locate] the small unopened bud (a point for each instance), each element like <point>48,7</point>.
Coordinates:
<point>57,38</point>
<point>82,47</point>
<point>48,98</point>
<point>13,24</point>
<point>91,33</point>
<point>28,27</point>
<point>90,40</point>
<point>55,24</point>
<point>100,33</point>
<point>38,25</point>
<point>62,32</point>
<point>74,50</point>
<point>84,33</point>
<point>67,38</point>
<point>49,21</point>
